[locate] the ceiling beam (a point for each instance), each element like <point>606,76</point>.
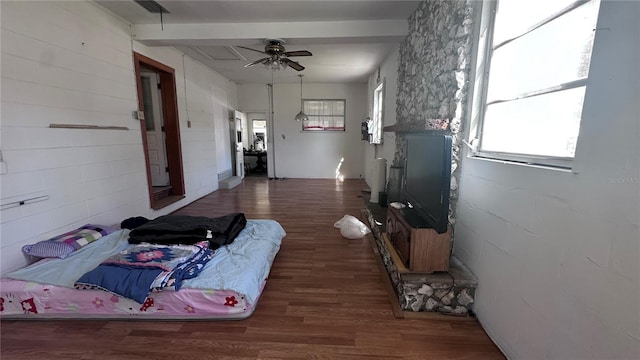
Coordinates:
<point>318,32</point>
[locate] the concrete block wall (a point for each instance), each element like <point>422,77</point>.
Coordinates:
<point>557,253</point>
<point>71,62</point>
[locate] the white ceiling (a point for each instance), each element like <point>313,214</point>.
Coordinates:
<point>348,39</point>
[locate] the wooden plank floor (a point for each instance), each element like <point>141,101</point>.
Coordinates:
<point>325,298</point>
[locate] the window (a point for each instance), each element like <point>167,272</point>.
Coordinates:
<point>324,115</point>
<point>535,75</point>
<point>375,130</point>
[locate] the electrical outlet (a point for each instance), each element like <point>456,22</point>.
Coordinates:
<point>3,168</point>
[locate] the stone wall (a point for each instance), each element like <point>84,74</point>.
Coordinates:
<point>433,74</point>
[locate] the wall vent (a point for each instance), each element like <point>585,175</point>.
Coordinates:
<point>152,6</point>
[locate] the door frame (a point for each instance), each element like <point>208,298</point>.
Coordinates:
<point>171,125</point>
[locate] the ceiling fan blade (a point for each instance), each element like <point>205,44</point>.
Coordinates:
<point>256,62</point>
<point>298,53</point>
<point>248,48</point>
<point>294,65</point>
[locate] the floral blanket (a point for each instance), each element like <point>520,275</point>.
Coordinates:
<point>141,268</point>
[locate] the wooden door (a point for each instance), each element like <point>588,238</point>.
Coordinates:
<point>156,139</point>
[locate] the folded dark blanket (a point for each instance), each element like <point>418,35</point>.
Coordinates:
<point>184,229</point>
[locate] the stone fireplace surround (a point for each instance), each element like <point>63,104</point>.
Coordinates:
<point>434,69</point>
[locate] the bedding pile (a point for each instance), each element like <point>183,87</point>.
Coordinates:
<point>141,268</point>
<point>182,229</point>
<point>219,275</point>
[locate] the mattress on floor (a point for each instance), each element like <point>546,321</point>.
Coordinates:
<point>228,287</point>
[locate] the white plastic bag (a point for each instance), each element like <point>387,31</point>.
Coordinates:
<point>351,228</point>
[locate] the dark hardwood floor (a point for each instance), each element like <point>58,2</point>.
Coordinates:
<point>325,298</point>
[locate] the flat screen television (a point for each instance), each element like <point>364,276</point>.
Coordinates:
<point>427,180</point>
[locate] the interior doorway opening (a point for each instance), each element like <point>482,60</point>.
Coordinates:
<point>259,128</point>
<point>154,124</point>
<point>256,144</point>
<point>159,126</point>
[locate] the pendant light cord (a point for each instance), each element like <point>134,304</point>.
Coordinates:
<point>273,129</point>
<point>301,103</point>
<point>301,116</point>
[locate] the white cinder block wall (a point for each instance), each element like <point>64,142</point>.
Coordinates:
<point>557,253</point>
<point>301,154</point>
<point>71,62</point>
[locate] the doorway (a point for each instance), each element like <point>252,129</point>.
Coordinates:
<point>154,123</point>
<point>159,125</point>
<point>259,127</point>
<point>256,154</point>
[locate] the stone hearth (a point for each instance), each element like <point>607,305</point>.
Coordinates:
<point>450,292</point>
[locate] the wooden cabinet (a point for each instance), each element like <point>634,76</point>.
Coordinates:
<point>421,249</point>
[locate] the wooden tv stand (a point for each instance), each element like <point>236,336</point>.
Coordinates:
<point>422,249</point>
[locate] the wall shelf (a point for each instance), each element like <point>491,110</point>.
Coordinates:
<point>85,127</point>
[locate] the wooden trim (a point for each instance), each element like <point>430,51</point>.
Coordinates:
<point>172,133</point>
<point>388,285</point>
<point>171,125</point>
<point>159,204</point>
<point>152,63</point>
<point>138,60</point>
<point>399,264</point>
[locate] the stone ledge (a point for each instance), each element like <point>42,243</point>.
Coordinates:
<point>419,125</point>
<point>419,292</point>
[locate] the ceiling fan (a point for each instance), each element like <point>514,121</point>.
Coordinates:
<point>278,57</point>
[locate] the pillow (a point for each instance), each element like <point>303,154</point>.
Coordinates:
<point>63,245</point>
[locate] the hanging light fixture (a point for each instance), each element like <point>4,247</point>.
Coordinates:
<point>275,63</point>
<point>301,115</point>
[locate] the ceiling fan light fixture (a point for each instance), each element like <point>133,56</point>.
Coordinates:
<point>278,57</point>
<point>301,116</point>
<point>275,64</point>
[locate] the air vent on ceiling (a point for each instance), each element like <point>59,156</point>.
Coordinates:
<point>152,6</point>
<point>219,52</point>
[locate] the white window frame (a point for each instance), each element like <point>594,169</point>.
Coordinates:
<point>483,56</point>
<point>307,125</point>
<point>377,122</point>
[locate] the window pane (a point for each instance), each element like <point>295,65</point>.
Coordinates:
<point>376,126</point>
<point>545,125</point>
<point>325,115</point>
<point>147,104</point>
<point>312,107</point>
<point>555,53</point>
<point>514,17</point>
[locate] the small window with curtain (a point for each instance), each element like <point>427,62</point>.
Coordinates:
<point>324,115</point>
